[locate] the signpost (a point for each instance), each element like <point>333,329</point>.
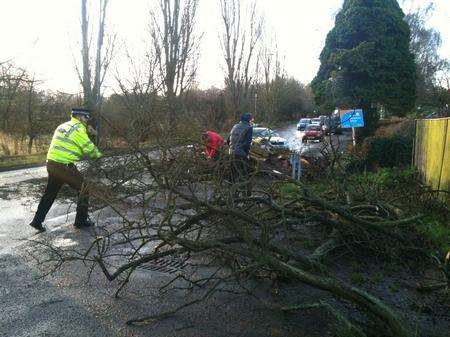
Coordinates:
<point>296,162</point>
<point>352,118</point>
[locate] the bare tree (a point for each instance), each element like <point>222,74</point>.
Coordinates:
<point>175,46</point>
<point>272,71</point>
<point>138,96</point>
<point>239,38</point>
<point>11,82</point>
<point>32,130</point>
<point>11,79</point>
<point>92,82</point>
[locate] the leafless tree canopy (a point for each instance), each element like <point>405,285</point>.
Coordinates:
<point>175,44</point>
<point>269,61</point>
<point>97,61</point>
<point>27,113</point>
<point>10,81</point>
<point>240,34</point>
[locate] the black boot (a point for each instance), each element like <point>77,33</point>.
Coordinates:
<point>82,219</point>
<point>83,223</point>
<point>37,225</point>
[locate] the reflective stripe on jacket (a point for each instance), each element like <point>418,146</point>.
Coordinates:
<point>70,142</point>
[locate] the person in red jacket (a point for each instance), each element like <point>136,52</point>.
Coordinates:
<point>214,143</point>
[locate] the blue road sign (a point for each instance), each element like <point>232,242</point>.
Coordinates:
<point>352,118</point>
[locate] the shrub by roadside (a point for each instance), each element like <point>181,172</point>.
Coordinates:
<point>395,151</point>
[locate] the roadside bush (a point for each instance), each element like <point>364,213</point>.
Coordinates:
<point>387,152</point>
<point>388,178</point>
<point>436,232</point>
<point>385,183</point>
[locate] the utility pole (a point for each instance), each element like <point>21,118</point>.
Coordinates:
<point>256,97</point>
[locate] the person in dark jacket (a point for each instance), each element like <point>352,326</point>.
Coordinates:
<point>240,141</point>
<point>240,138</point>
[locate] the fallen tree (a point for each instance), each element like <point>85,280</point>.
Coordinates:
<point>177,206</point>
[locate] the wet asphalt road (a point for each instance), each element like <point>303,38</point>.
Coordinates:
<point>30,306</point>
<point>16,204</point>
<point>294,140</point>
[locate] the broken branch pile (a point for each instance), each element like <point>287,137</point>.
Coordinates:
<point>181,208</point>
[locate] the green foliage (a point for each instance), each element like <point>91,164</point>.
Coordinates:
<point>288,191</point>
<point>410,198</point>
<point>394,288</point>
<point>386,178</point>
<point>345,331</point>
<point>357,278</point>
<point>437,232</point>
<point>398,190</point>
<point>393,151</point>
<point>377,278</point>
<point>366,61</point>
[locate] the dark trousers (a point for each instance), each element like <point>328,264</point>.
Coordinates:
<point>58,175</point>
<point>240,174</point>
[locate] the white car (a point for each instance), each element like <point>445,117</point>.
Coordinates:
<point>271,136</point>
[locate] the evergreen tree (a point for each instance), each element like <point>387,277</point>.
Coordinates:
<point>366,61</point>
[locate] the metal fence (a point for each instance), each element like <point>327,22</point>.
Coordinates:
<point>432,154</point>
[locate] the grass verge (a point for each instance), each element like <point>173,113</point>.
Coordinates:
<point>395,188</point>
<point>17,162</point>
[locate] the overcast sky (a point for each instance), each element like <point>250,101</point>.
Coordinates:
<point>41,35</point>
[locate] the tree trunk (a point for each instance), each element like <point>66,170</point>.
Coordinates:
<point>30,144</point>
<point>345,291</point>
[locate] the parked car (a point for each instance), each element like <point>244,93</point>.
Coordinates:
<point>313,132</point>
<point>301,125</point>
<point>316,121</point>
<point>271,136</point>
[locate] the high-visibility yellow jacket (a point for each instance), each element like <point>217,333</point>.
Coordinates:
<point>70,143</point>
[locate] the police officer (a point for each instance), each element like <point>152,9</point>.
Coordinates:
<point>69,144</point>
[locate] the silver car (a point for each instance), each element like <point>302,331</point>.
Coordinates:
<point>271,136</point>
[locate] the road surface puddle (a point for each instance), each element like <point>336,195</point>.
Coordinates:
<point>64,242</point>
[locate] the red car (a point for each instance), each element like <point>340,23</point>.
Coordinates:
<point>313,132</point>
